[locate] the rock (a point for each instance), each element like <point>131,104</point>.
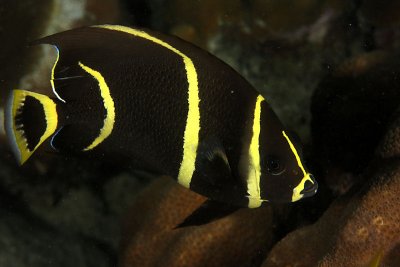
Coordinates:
<point>240,239</point>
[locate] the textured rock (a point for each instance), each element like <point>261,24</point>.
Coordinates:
<point>240,239</point>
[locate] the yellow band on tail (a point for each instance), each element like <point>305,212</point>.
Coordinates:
<point>15,129</point>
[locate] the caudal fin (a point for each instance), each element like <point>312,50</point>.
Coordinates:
<point>30,118</point>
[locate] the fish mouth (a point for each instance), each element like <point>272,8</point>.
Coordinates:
<point>306,188</point>
<point>310,187</point>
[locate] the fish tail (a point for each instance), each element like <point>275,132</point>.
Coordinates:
<point>30,118</point>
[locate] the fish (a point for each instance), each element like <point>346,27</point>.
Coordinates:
<point>163,105</point>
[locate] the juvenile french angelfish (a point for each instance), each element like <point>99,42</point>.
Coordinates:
<point>163,105</point>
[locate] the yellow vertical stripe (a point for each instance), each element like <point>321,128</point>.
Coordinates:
<point>109,119</point>
<point>306,176</point>
<point>192,128</point>
<point>294,152</point>
<point>254,172</point>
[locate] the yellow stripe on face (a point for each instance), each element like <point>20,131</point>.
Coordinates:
<point>19,140</point>
<point>192,129</point>
<point>254,172</point>
<point>294,152</point>
<point>296,191</point>
<point>109,119</point>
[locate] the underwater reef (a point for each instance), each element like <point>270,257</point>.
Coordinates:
<point>332,74</point>
<point>240,239</point>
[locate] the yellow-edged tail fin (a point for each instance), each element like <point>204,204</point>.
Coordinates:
<point>30,118</point>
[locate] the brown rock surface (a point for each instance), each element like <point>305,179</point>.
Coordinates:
<point>240,239</point>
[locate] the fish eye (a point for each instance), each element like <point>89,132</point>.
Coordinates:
<point>275,166</point>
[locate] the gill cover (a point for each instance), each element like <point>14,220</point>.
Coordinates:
<point>30,118</point>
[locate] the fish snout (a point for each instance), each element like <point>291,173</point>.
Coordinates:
<point>310,187</point>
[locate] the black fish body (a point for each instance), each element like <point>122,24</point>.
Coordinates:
<point>166,106</point>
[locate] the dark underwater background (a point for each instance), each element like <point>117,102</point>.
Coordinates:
<point>329,68</point>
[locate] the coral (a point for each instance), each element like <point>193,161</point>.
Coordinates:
<point>370,224</point>
<point>149,237</point>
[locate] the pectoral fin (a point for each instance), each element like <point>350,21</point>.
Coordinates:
<point>213,162</point>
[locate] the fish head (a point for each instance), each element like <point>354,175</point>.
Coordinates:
<point>276,170</point>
